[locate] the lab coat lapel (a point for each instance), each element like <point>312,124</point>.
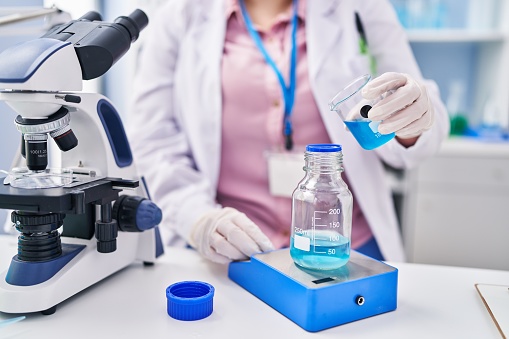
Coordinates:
<point>208,40</point>
<point>323,29</point>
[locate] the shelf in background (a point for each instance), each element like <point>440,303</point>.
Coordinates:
<point>465,146</point>
<point>454,35</point>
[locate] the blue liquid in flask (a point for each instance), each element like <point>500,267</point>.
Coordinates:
<point>367,135</point>
<point>322,254</point>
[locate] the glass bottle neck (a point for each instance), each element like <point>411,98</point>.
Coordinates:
<point>323,163</point>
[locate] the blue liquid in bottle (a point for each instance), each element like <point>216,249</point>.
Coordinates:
<point>367,135</point>
<point>322,254</point>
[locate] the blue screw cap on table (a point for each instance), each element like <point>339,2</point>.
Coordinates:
<point>189,300</point>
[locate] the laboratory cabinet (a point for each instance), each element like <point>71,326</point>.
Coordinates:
<point>456,207</point>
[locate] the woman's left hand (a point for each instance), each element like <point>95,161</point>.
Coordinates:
<point>407,111</point>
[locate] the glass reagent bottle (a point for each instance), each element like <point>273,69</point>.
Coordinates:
<point>321,211</point>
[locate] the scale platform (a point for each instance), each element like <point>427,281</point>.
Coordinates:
<point>317,300</point>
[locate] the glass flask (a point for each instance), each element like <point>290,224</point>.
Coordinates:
<point>363,129</point>
<point>321,211</point>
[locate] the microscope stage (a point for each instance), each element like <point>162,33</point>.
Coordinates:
<point>67,199</point>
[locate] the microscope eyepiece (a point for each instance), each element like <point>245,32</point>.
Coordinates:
<point>91,16</point>
<point>99,45</point>
<point>134,23</point>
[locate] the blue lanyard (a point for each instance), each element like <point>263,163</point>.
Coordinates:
<point>288,91</point>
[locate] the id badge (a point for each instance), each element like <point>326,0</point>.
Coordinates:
<point>285,172</point>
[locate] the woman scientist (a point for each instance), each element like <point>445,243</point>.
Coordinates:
<point>211,100</point>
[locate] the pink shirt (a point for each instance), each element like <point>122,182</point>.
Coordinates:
<point>252,122</point>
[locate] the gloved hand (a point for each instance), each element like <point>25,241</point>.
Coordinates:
<point>407,111</point>
<point>227,234</point>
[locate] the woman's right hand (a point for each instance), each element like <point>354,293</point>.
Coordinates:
<point>227,234</point>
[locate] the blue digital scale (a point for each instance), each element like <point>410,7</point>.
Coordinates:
<point>316,300</point>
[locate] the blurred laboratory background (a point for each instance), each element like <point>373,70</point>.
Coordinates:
<point>454,209</point>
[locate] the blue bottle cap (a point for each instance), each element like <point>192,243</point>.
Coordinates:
<point>323,148</point>
<point>189,300</point>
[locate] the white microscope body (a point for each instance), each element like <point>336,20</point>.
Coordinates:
<point>103,231</point>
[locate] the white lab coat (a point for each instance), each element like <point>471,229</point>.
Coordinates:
<point>175,122</point>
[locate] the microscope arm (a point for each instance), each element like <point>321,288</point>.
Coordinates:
<point>40,65</point>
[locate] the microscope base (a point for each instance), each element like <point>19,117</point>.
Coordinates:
<point>84,270</point>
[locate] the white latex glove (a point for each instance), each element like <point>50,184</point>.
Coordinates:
<point>407,111</point>
<point>227,234</point>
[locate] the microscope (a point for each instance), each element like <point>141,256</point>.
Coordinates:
<point>81,210</point>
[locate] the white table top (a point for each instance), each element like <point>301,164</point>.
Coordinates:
<point>433,302</point>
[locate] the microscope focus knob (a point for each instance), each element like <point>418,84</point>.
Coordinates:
<point>106,235</point>
<point>136,214</point>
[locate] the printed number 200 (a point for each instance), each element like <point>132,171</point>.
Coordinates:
<point>334,211</point>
